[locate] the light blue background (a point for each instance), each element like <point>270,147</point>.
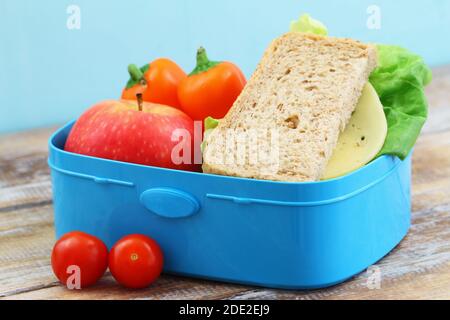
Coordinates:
<point>49,74</point>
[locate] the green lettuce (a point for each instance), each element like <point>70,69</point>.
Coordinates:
<point>399,81</point>
<point>307,24</point>
<point>210,124</point>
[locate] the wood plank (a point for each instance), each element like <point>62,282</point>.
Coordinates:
<point>27,142</point>
<point>429,286</point>
<point>26,237</point>
<point>30,194</point>
<point>165,288</point>
<point>24,174</point>
<point>438,95</point>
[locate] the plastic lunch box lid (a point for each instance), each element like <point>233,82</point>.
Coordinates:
<point>339,188</point>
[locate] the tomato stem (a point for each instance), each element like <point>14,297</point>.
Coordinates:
<point>139,101</point>
<point>203,62</point>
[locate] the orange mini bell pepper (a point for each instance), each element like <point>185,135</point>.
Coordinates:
<point>211,88</point>
<point>157,82</point>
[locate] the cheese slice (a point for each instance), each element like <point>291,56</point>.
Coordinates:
<point>363,137</point>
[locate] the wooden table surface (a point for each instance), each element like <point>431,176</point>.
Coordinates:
<point>419,268</point>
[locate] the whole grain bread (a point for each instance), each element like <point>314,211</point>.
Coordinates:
<point>286,123</point>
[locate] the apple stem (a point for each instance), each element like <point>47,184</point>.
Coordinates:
<point>139,101</point>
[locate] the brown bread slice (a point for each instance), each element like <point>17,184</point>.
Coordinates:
<point>297,102</point>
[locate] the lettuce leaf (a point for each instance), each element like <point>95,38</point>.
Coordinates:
<point>210,124</point>
<point>307,24</point>
<point>399,81</point>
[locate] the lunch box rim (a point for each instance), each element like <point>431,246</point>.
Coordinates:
<point>343,178</point>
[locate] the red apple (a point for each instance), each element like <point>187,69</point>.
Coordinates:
<point>151,135</point>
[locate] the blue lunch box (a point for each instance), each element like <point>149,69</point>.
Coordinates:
<point>264,233</point>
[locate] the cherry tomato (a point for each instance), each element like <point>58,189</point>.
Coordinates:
<point>83,251</point>
<point>136,261</point>
<point>157,82</point>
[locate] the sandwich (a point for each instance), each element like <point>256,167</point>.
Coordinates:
<point>289,122</point>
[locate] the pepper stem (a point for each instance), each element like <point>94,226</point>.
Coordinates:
<point>135,73</point>
<point>202,57</point>
<point>139,101</point>
<point>203,62</point>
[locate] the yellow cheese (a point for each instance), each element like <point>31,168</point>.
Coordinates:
<point>363,137</point>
